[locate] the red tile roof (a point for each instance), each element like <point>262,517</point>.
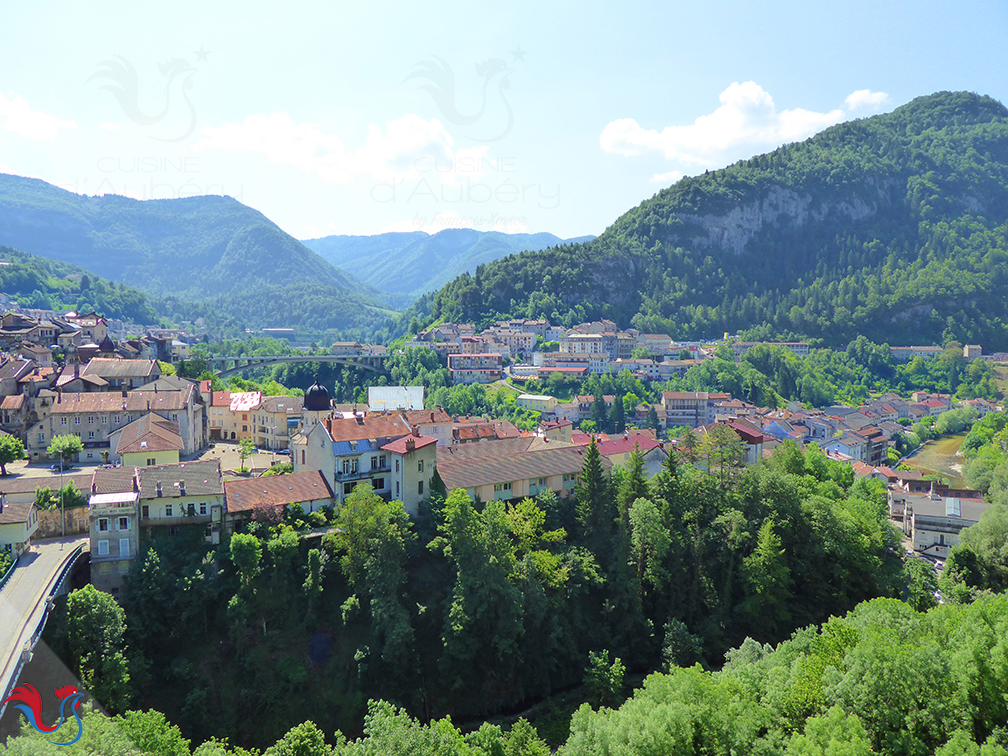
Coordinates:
<point>150,433</point>
<point>626,445</point>
<point>399,445</point>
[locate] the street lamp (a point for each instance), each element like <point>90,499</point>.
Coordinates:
<point>62,510</point>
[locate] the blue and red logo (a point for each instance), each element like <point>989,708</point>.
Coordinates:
<point>30,703</point>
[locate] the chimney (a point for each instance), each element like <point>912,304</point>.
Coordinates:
<point>94,487</point>
<point>124,392</point>
<point>136,483</point>
<point>410,445</point>
<point>155,387</point>
<point>432,417</point>
<point>76,369</point>
<point>159,492</point>
<point>416,431</point>
<point>148,405</point>
<point>181,487</point>
<point>59,397</point>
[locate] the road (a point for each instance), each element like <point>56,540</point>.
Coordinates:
<point>22,599</point>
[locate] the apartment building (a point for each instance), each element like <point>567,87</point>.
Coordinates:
<point>475,368</point>
<point>691,408</point>
<point>93,417</point>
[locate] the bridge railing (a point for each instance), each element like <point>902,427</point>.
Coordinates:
<point>25,652</point>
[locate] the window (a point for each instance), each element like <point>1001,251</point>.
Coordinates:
<point>124,523</point>
<point>374,463</point>
<point>102,548</point>
<point>90,435</point>
<point>397,488</point>
<point>379,484</point>
<point>41,438</point>
<point>104,419</point>
<point>145,512</point>
<point>124,549</point>
<point>383,462</point>
<point>89,455</point>
<point>62,421</point>
<point>151,461</point>
<point>202,508</point>
<point>397,465</point>
<point>347,489</point>
<point>419,467</point>
<point>167,510</point>
<point>90,420</point>
<point>116,420</point>
<point>419,487</point>
<point>302,456</point>
<point>102,525</point>
<point>76,421</point>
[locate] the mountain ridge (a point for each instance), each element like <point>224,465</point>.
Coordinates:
<point>407,265</point>
<point>194,249</point>
<point>850,231</point>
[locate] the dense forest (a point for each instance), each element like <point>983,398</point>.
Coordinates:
<point>738,602</point>
<point>35,281</point>
<point>892,227</point>
<point>482,609</point>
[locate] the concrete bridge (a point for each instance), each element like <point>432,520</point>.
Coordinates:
<point>41,574</point>
<point>225,366</point>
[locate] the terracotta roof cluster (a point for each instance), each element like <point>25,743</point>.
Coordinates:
<point>151,433</point>
<point>276,491</point>
<point>134,401</point>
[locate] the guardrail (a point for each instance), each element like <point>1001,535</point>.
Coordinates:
<point>25,654</point>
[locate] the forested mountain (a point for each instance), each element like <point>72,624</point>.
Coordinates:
<point>892,226</point>
<point>208,249</point>
<point>35,281</point>
<point>410,264</point>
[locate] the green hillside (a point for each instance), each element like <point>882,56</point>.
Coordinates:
<point>209,250</point>
<point>35,281</point>
<point>892,226</point>
<point>407,265</point>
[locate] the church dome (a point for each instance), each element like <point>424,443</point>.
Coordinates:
<point>316,398</point>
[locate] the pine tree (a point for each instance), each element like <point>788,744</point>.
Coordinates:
<point>594,499</point>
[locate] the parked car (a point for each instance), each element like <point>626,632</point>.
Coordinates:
<point>285,452</point>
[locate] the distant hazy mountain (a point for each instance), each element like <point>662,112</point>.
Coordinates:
<point>210,249</point>
<point>410,264</point>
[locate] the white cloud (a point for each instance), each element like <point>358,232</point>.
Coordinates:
<point>409,147</point>
<point>863,98</point>
<point>746,122</point>
<point>33,124</point>
<point>109,126</point>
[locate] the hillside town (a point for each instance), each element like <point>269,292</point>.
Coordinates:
<point>153,439</point>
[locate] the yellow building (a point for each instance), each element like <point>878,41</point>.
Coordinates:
<point>537,402</point>
<point>146,442</point>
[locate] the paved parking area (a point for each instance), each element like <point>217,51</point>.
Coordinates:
<point>227,453</point>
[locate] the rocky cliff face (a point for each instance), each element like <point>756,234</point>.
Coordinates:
<point>778,207</point>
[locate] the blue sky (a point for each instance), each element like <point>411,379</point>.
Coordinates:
<point>362,118</point>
